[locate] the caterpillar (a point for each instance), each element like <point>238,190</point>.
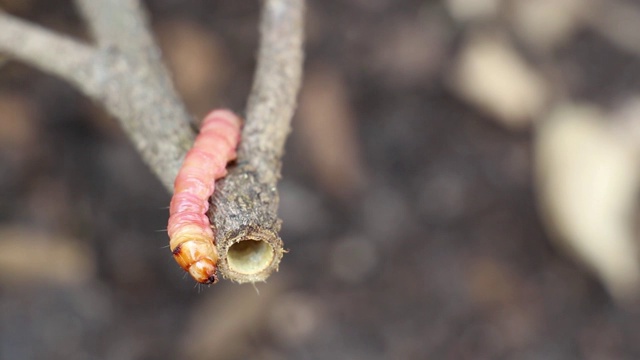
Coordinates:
<point>191,237</point>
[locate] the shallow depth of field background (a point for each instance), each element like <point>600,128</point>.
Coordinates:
<point>408,200</point>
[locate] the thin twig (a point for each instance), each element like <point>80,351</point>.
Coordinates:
<point>142,100</point>
<point>245,208</point>
<point>125,74</point>
<point>276,84</point>
<point>157,120</point>
<point>112,21</point>
<point>51,52</point>
<point>123,25</point>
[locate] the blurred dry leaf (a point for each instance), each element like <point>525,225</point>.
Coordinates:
<point>545,24</point>
<point>327,127</point>
<point>28,256</point>
<point>199,62</point>
<point>625,120</point>
<point>587,182</point>
<point>490,74</point>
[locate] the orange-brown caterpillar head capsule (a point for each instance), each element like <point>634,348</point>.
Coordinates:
<point>204,271</point>
<point>198,260</point>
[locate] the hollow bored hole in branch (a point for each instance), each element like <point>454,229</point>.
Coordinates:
<point>250,256</point>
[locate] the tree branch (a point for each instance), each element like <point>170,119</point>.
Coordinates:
<point>126,75</point>
<point>277,81</point>
<point>53,53</point>
<point>154,117</point>
<point>142,100</point>
<point>123,25</point>
<point>112,21</point>
<point>245,207</point>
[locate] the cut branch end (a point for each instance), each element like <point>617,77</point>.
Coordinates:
<point>251,257</point>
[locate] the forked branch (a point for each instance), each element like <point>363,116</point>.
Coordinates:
<point>148,108</point>
<point>124,73</point>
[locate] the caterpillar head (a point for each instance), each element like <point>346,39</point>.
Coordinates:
<point>204,271</point>
<point>198,260</point>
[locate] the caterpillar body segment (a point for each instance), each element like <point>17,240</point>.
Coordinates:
<point>191,237</point>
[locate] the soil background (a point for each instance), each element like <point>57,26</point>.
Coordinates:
<point>409,213</point>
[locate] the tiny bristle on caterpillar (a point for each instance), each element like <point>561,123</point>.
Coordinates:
<point>191,237</point>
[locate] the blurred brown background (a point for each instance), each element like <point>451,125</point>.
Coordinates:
<point>408,195</point>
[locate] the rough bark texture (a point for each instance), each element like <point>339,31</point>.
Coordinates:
<point>138,89</point>
<point>246,203</point>
<point>146,105</point>
<point>124,73</point>
<point>157,121</point>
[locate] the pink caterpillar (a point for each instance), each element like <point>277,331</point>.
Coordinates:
<point>191,236</point>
